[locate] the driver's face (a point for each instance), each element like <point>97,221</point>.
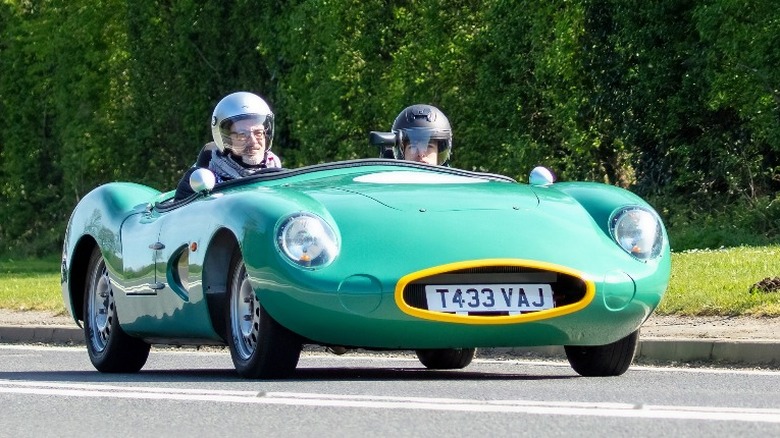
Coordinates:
<point>248,139</point>
<point>421,153</point>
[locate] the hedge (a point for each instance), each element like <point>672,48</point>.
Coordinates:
<point>675,99</point>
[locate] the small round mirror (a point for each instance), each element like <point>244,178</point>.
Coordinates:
<point>202,180</point>
<point>541,176</point>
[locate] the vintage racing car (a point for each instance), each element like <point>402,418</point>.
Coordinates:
<point>374,254</point>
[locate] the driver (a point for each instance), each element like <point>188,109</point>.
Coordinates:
<point>423,134</point>
<point>242,126</point>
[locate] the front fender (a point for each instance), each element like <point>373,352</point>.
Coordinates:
<point>599,200</point>
<point>97,220</point>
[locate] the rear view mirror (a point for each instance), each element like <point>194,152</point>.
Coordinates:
<point>378,138</point>
<point>385,141</point>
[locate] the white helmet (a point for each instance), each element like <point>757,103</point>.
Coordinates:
<point>240,106</point>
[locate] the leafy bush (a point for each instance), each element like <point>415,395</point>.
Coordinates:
<point>696,223</point>
<point>672,98</point>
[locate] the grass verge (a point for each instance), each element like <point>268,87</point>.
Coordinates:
<point>719,282</point>
<point>31,285</point>
<point>703,282</point>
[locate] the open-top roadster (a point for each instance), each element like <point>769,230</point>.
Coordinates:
<point>374,254</point>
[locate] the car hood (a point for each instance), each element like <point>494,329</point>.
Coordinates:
<point>492,218</point>
<point>417,191</point>
<point>391,222</point>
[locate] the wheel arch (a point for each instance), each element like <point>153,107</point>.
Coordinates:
<point>216,269</point>
<point>77,275</point>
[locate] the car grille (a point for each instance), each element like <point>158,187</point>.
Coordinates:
<point>567,288</point>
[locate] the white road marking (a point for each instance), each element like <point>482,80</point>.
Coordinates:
<point>594,409</point>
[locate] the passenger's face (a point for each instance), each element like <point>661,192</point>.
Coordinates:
<point>421,153</point>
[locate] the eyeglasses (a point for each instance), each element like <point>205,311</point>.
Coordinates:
<point>242,137</point>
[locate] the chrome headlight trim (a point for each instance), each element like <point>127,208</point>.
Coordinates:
<point>638,231</point>
<point>307,240</point>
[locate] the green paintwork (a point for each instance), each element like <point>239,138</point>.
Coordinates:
<point>388,228</point>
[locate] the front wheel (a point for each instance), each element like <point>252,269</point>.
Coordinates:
<point>446,358</point>
<point>110,349</point>
<point>259,346</point>
<point>603,360</point>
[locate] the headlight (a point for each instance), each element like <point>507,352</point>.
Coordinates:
<point>638,231</point>
<point>307,240</point>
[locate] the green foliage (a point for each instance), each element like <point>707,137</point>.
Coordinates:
<point>743,73</point>
<point>675,99</point>
<point>30,152</point>
<point>695,222</point>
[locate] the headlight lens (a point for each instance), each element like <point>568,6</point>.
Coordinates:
<point>638,231</point>
<point>307,240</point>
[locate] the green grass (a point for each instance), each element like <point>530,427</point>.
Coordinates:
<point>704,282</point>
<point>718,282</point>
<point>31,285</point>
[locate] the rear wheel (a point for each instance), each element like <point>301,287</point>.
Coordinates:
<point>446,358</point>
<point>110,349</point>
<point>259,346</point>
<point>603,360</point>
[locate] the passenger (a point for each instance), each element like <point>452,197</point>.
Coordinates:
<point>423,134</point>
<point>242,126</point>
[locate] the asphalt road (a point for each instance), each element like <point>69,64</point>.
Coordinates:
<point>747,341</point>
<point>54,391</point>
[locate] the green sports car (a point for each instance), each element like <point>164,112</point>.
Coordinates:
<point>374,254</point>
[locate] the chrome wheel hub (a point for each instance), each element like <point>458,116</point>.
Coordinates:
<point>244,316</point>
<point>101,309</point>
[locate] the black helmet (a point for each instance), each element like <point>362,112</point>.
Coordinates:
<point>421,124</point>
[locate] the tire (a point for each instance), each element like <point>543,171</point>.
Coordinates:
<point>259,346</point>
<point>110,349</point>
<point>603,360</point>
<point>446,358</point>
